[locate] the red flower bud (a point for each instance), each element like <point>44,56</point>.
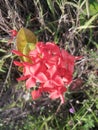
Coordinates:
<point>13,33</point>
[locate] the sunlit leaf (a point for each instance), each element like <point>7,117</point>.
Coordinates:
<point>93,7</point>
<point>28,47</point>
<point>25,41</point>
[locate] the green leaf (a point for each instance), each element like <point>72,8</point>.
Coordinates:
<point>24,37</point>
<point>26,50</point>
<point>88,24</point>
<point>93,7</point>
<point>51,7</point>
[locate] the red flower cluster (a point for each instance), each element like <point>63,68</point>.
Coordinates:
<point>50,69</point>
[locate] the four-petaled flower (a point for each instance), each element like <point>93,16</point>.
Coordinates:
<point>49,66</point>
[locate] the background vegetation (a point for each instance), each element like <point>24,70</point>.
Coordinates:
<point>73,25</point>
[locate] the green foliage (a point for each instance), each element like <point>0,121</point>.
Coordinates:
<point>88,24</point>
<point>93,7</point>
<point>3,59</point>
<point>51,7</point>
<point>40,123</point>
<point>1,66</point>
<point>88,122</point>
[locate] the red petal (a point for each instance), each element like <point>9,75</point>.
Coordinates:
<point>67,78</point>
<point>35,94</point>
<point>41,77</point>
<point>62,99</point>
<point>13,33</point>
<point>67,56</point>
<point>54,95</point>
<point>34,68</point>
<point>26,69</point>
<point>49,85</point>
<point>52,47</point>
<point>18,63</point>
<point>40,47</point>
<point>17,53</point>
<point>53,60</point>
<point>58,81</point>
<point>78,57</point>
<point>33,53</point>
<point>70,68</point>
<point>52,70</point>
<point>22,78</point>
<point>58,94</point>
<point>30,83</point>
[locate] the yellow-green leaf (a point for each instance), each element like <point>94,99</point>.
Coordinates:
<point>26,50</point>
<point>25,41</point>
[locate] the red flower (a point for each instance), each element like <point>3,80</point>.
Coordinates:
<point>13,33</point>
<point>51,67</point>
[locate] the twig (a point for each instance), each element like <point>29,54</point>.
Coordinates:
<point>58,108</point>
<point>5,82</point>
